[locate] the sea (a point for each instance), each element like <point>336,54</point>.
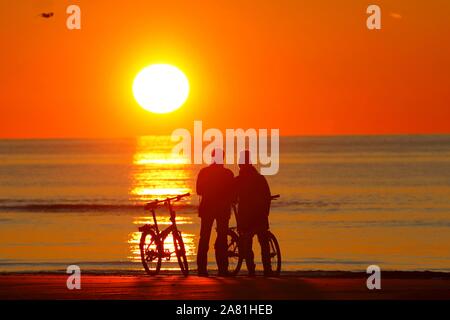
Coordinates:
<point>346,202</point>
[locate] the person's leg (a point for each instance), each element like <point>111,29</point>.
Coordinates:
<point>203,245</point>
<point>265,251</point>
<point>247,251</point>
<point>221,245</point>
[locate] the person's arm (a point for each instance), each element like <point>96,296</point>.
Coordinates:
<point>232,187</point>
<point>266,194</point>
<point>235,199</point>
<point>199,185</point>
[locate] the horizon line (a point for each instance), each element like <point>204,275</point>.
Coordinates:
<point>281,136</point>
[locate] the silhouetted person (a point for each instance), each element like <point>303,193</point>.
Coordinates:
<point>252,193</point>
<point>214,185</point>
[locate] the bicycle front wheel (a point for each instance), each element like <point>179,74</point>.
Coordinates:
<point>150,249</point>
<point>275,254</point>
<point>180,251</point>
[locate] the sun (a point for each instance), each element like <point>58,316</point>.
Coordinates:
<point>160,88</point>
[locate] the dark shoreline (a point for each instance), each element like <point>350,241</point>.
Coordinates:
<point>308,285</point>
<point>393,274</point>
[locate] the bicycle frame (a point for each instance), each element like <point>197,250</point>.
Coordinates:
<point>162,235</point>
<point>172,215</point>
<point>151,256</point>
<point>235,244</point>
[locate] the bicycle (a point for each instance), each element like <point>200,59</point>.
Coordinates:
<point>152,240</point>
<point>235,259</point>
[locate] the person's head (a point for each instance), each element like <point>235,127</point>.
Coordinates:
<point>244,159</point>
<point>217,156</point>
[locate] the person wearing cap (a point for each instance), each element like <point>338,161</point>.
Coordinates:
<point>215,186</point>
<point>252,194</point>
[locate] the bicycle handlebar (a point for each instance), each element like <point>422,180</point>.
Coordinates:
<point>155,202</point>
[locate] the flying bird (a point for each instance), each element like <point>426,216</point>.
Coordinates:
<point>47,15</point>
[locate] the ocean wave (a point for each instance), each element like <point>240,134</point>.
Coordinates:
<point>67,206</point>
<point>84,207</point>
<point>66,263</point>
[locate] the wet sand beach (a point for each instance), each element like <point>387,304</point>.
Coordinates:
<point>303,285</point>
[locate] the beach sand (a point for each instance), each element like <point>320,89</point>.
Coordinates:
<point>301,285</point>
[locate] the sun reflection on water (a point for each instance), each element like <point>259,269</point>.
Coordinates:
<point>164,220</point>
<point>157,173</point>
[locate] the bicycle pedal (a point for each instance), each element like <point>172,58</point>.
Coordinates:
<point>167,254</point>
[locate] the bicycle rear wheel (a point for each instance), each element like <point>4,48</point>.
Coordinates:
<point>233,254</point>
<point>275,254</point>
<point>150,249</point>
<point>180,252</point>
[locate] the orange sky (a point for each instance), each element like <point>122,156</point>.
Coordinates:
<point>306,67</point>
